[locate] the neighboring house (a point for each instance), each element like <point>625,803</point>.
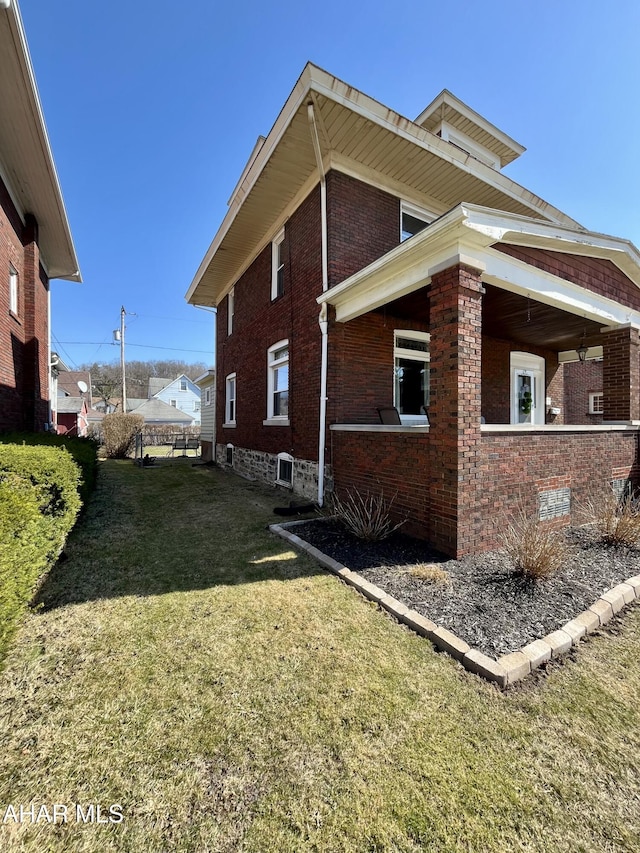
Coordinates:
<point>207,385</point>
<point>35,238</point>
<point>156,412</point>
<point>75,383</point>
<point>181,393</point>
<point>369,261</point>
<point>72,416</point>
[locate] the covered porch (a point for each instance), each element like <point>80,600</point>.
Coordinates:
<point>503,303</point>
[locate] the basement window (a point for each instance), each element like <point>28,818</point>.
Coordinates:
<point>229,456</point>
<point>284,474</point>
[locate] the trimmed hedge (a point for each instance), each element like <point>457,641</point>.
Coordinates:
<point>39,503</point>
<point>83,450</point>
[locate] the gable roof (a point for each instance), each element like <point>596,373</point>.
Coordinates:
<point>360,136</point>
<point>26,161</point>
<point>156,384</point>
<point>157,411</point>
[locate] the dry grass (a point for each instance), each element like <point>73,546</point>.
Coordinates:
<point>534,549</point>
<point>617,519</point>
<point>233,697</point>
<point>369,517</point>
<point>431,572</point>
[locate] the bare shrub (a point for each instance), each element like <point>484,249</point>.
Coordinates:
<point>431,572</point>
<point>119,432</point>
<point>535,550</point>
<point>367,517</point>
<point>617,519</point>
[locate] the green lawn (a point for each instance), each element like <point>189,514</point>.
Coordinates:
<point>229,695</point>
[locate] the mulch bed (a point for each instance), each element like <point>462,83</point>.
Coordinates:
<point>485,601</point>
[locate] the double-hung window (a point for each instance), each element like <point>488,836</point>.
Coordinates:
<point>277,265</point>
<point>13,290</point>
<point>230,400</point>
<point>411,369</point>
<point>278,383</point>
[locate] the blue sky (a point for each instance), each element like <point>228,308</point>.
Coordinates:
<point>153,108</point>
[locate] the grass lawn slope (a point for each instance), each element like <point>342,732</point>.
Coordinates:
<point>228,695</point>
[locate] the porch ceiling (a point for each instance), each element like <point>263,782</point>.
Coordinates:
<point>510,316</point>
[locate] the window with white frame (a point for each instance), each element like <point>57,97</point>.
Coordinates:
<point>413,219</point>
<point>231,307</point>
<point>284,473</point>
<point>596,402</point>
<point>207,396</point>
<point>230,400</point>
<point>277,265</point>
<point>174,403</point>
<point>183,384</point>
<point>411,371</point>
<point>13,290</point>
<point>278,382</point>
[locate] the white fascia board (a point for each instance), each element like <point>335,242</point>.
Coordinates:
<point>519,277</point>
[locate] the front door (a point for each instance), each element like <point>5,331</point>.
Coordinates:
<point>527,389</point>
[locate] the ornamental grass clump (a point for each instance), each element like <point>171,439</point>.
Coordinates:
<point>616,518</point>
<point>366,516</point>
<point>535,551</point>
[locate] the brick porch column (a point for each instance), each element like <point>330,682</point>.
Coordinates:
<point>455,306</point>
<point>621,374</point>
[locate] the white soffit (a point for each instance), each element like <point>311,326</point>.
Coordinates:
<point>362,131</point>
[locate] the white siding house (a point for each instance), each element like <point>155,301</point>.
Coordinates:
<point>183,394</point>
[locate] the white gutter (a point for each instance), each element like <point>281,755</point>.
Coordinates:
<point>322,320</point>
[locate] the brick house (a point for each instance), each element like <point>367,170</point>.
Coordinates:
<point>369,261</point>
<point>35,239</point>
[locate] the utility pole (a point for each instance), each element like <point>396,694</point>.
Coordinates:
<point>124,382</point>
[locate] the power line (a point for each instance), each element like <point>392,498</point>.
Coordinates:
<point>144,346</point>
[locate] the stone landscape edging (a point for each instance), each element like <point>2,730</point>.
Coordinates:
<point>504,670</point>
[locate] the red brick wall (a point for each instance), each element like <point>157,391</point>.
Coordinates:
<point>393,464</point>
<point>24,369</point>
<point>361,366</point>
<point>512,469</point>
<point>580,380</point>
<point>595,274</point>
<point>258,324</point>
<point>363,224</point>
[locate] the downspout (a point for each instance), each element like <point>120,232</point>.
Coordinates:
<point>322,319</point>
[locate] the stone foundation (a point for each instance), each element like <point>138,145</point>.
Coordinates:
<point>258,465</point>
